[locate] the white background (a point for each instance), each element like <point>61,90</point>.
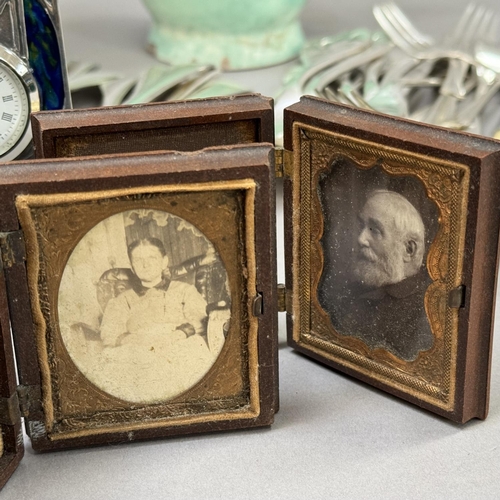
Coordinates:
<point>333,437</point>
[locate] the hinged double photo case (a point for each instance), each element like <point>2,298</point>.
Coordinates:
<point>139,266</point>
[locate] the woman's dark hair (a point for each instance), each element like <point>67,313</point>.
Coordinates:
<point>154,242</point>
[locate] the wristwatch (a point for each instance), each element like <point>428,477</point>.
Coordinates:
<point>19,95</point>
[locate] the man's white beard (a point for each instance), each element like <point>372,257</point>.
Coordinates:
<point>375,272</point>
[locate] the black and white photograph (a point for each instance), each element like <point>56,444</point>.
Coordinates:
<point>377,233</point>
<point>144,305</point>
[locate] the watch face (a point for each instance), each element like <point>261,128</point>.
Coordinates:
<point>14,109</point>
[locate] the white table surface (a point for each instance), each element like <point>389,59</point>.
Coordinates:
<point>333,437</point>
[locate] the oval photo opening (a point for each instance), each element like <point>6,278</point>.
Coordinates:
<point>144,305</point>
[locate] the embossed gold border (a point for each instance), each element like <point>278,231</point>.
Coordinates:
<point>24,203</point>
<point>317,150</point>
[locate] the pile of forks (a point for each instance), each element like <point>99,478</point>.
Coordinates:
<point>91,86</point>
<point>400,71</point>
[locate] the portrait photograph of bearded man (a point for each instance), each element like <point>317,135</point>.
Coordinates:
<point>375,276</point>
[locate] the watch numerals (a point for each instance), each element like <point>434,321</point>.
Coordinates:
<point>14,113</point>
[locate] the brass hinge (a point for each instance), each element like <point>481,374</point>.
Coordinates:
<point>283,163</point>
<point>30,399</point>
<point>456,297</point>
<point>258,305</point>
<point>9,410</point>
<point>12,248</point>
<point>284,299</point>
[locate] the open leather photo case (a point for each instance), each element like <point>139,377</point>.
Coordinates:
<point>140,295</point>
<point>393,237</point>
<point>141,286</point>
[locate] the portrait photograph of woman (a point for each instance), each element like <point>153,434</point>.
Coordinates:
<point>144,305</point>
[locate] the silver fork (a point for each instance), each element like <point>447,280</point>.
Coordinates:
<point>295,86</point>
<point>384,87</point>
<point>404,35</point>
<point>467,31</point>
<point>457,47</point>
<point>488,81</point>
<point>400,29</point>
<point>473,22</point>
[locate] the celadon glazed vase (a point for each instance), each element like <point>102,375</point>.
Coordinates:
<point>230,34</point>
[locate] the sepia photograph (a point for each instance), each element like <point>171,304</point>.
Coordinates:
<point>378,231</point>
<point>144,305</point>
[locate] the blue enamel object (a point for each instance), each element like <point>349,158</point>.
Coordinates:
<point>45,55</point>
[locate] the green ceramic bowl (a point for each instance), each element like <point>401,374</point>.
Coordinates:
<point>230,34</point>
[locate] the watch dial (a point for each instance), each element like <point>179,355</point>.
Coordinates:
<point>14,109</point>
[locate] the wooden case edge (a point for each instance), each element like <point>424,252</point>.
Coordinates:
<point>11,434</point>
<point>159,117</point>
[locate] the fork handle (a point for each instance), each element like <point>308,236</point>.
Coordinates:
<point>484,92</point>
<point>454,82</point>
<point>442,111</point>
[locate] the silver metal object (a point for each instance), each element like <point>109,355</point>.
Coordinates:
<point>159,82</point>
<point>19,89</point>
<point>459,47</point>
